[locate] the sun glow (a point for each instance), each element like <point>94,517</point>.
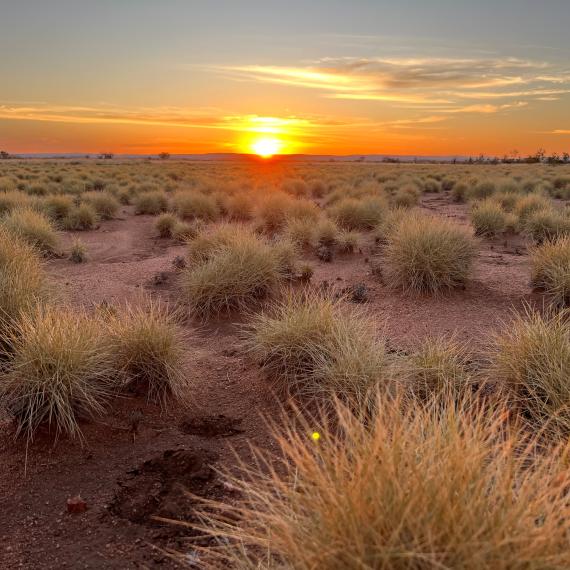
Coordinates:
<point>266,147</point>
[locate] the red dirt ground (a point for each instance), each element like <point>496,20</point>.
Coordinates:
<point>127,477</point>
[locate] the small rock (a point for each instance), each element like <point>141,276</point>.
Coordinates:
<point>76,505</point>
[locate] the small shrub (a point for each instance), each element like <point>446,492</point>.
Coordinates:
<point>550,263</point>
<point>423,489</point>
<point>78,252</point>
<point>83,217</point>
<point>428,255</point>
<point>406,197</point>
<point>23,283</point>
<point>195,205</point>
<point>311,346</point>
<point>546,225</point>
<point>149,346</point>
<point>481,191</point>
<point>326,233</point>
<point>459,192</point>
<point>301,232</point>
<point>353,214</point>
<point>232,269</point>
<point>60,371</point>
<point>104,204</point>
<point>165,224</point>
<point>531,204</point>
<point>34,228</point>
<point>58,207</point>
<point>531,359</point>
<point>152,203</point>
<point>488,218</point>
<point>438,369</point>
<point>348,241</point>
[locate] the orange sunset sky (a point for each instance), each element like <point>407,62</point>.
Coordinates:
<point>323,77</point>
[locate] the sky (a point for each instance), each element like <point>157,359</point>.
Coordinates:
<point>432,77</point>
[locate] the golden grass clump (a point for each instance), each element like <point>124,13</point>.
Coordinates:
<point>34,228</point>
<point>550,265</point>
<point>192,205</point>
<point>152,202</point>
<point>60,370</point>
<point>530,204</point>
<point>488,218</point>
<point>149,344</point>
<point>232,269</point>
<point>78,253</point>
<point>15,199</point>
<point>439,368</point>
<point>531,360</point>
<point>165,224</point>
<point>81,218</point>
<point>546,225</point>
<point>104,203</point>
<point>23,283</point>
<point>364,214</point>
<point>425,254</point>
<point>58,206</point>
<point>424,488</point>
<point>310,345</point>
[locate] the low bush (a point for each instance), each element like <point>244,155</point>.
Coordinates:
<point>153,202</point>
<point>312,346</point>
<point>550,270</point>
<point>60,371</point>
<point>422,489</point>
<point>428,255</point>
<point>531,360</point>
<point>34,228</point>
<point>148,345</point>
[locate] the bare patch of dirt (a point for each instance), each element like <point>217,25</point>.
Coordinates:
<point>160,487</point>
<point>211,426</point>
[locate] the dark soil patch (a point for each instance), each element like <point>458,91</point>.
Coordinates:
<point>163,487</point>
<point>211,426</point>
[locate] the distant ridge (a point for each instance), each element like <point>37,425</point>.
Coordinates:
<point>228,157</point>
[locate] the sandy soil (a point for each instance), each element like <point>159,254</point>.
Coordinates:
<point>127,475</point>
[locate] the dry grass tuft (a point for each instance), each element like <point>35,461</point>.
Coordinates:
<point>427,488</point>
<point>34,228</point>
<point>550,264</point>
<point>312,346</point>
<point>531,359</point>
<point>149,345</point>
<point>428,255</point>
<point>60,370</point>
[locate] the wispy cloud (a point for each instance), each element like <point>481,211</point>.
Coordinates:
<point>420,81</point>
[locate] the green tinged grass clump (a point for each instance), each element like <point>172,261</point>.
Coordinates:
<point>531,360</point>
<point>428,255</point>
<point>34,228</point>
<point>60,370</point>
<point>550,266</point>
<point>313,346</point>
<point>233,269</point>
<point>148,350</point>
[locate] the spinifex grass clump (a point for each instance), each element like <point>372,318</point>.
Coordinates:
<point>531,359</point>
<point>105,204</point>
<point>488,218</point>
<point>148,344</point>
<point>165,224</point>
<point>431,487</point>
<point>153,202</point>
<point>439,368</point>
<point>23,283</point>
<point>34,228</point>
<point>313,346</point>
<point>60,370</point>
<point>428,255</point>
<point>353,214</point>
<point>81,218</point>
<point>550,264</point>
<point>546,225</point>
<point>231,268</point>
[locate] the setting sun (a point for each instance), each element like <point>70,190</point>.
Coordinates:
<point>266,147</point>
